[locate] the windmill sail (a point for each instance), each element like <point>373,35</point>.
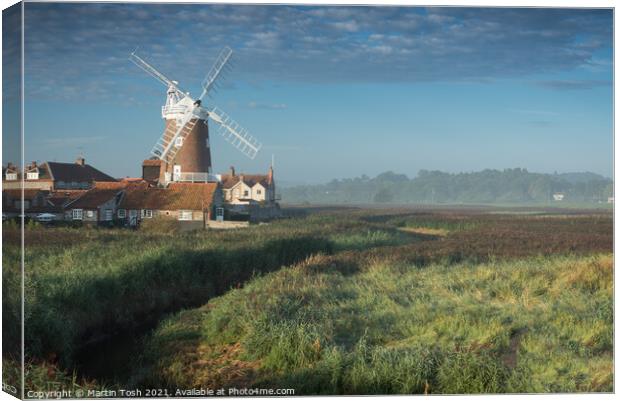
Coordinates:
<point>152,71</point>
<point>238,136</point>
<point>164,148</point>
<point>217,68</point>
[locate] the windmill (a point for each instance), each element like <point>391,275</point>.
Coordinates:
<point>184,148</point>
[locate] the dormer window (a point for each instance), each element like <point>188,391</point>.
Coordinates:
<point>11,176</point>
<point>32,175</point>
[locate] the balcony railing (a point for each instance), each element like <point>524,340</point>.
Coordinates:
<point>196,177</point>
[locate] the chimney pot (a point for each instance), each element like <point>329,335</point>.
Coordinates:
<point>80,160</point>
<point>232,171</point>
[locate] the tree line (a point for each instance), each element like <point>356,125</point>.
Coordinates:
<point>488,186</point>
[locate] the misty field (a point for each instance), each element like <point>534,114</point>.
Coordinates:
<point>334,301</point>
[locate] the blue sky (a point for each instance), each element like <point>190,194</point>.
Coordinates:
<point>331,92</point>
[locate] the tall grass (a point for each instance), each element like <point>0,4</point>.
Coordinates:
<point>533,325</point>
<point>85,284</point>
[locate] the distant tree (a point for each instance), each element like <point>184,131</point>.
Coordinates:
<point>383,196</point>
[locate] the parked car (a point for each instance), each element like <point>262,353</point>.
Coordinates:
<point>45,217</point>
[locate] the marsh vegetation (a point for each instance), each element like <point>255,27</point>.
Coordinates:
<point>334,302</point>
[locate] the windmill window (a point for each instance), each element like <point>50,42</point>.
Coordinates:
<point>122,213</point>
<point>77,214</point>
<point>178,142</point>
<point>207,142</point>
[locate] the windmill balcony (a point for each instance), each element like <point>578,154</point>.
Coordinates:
<point>197,177</point>
<point>173,109</point>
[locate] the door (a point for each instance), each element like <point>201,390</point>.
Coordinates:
<point>219,214</point>
<point>133,218</point>
<point>176,172</point>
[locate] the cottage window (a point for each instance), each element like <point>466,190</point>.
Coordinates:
<point>32,176</point>
<point>146,213</point>
<point>11,176</point>
<point>122,213</point>
<point>246,193</point>
<point>90,214</point>
<point>107,215</point>
<point>77,214</point>
<point>259,192</point>
<point>185,214</point>
<point>61,184</point>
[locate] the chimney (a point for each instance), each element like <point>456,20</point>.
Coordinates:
<point>33,164</point>
<point>9,165</point>
<point>232,171</point>
<point>270,175</point>
<point>80,160</point>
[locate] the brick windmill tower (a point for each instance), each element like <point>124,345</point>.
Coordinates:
<point>183,153</point>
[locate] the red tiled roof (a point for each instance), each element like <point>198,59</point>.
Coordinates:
<point>93,198</point>
<point>59,198</point>
<point>177,196</point>
<point>29,194</point>
<point>123,183</point>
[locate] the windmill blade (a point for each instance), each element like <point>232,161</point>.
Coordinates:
<point>217,68</point>
<point>152,71</point>
<point>164,148</point>
<point>238,136</point>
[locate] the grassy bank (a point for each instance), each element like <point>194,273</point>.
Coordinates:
<point>532,325</point>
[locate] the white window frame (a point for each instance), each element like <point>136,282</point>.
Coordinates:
<point>122,213</point>
<point>32,176</point>
<point>178,142</point>
<point>146,213</point>
<point>77,214</point>
<point>11,176</point>
<point>90,214</point>
<point>185,215</point>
